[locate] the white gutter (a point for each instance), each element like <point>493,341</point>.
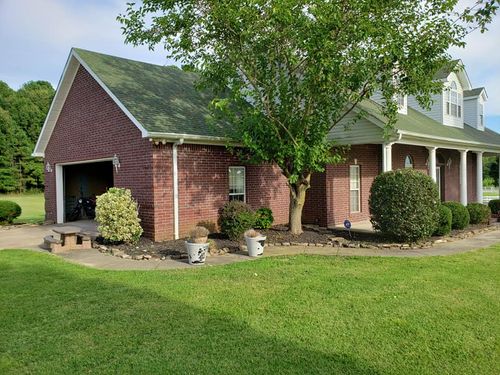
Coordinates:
<point>176,186</point>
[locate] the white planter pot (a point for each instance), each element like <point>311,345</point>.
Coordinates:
<point>197,252</point>
<point>255,245</point>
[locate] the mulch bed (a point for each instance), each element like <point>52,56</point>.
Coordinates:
<point>276,236</point>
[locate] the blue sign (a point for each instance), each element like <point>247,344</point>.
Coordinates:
<point>347,224</point>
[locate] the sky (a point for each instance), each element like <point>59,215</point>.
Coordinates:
<point>37,35</point>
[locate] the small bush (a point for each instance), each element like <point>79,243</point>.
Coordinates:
<point>443,225</point>
<point>479,213</point>
<point>235,218</point>
<point>9,211</point>
<point>117,216</point>
<point>264,218</point>
<point>210,225</point>
<point>252,233</point>
<point>403,205</point>
<point>460,217</point>
<point>494,206</point>
<point>198,235</point>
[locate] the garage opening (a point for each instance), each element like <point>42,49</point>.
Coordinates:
<point>82,184</point>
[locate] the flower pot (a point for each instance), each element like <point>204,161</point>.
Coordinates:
<point>255,245</point>
<point>197,252</point>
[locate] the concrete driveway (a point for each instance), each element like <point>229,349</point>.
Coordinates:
<point>31,236</point>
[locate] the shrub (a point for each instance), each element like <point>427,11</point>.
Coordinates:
<point>117,216</point>
<point>494,206</point>
<point>235,218</point>
<point>198,235</point>
<point>403,205</point>
<point>210,225</point>
<point>460,217</point>
<point>443,225</point>
<point>479,213</point>
<point>252,233</point>
<point>9,211</point>
<point>264,218</point>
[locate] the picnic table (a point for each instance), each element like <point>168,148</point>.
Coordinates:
<point>71,238</point>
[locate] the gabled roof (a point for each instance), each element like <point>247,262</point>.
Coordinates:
<point>161,101</point>
<point>417,125</point>
<point>447,69</point>
<point>468,94</point>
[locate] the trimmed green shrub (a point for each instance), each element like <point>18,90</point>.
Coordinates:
<point>263,218</point>
<point>443,224</point>
<point>9,211</point>
<point>460,217</point>
<point>494,206</point>
<point>235,218</point>
<point>404,205</point>
<point>479,213</point>
<point>117,216</point>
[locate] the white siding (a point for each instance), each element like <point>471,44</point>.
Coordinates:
<point>436,111</point>
<point>471,115</point>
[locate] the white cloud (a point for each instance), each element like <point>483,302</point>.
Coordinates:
<point>36,36</point>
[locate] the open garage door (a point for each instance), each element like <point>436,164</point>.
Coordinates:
<point>82,183</point>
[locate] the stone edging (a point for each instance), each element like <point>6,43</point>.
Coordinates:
<point>333,242</point>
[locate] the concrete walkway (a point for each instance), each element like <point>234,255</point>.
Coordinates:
<point>31,236</point>
<point>28,237</point>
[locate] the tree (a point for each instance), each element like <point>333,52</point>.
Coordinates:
<point>22,114</point>
<point>285,72</point>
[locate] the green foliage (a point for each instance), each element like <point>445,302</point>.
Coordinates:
<point>263,218</point>
<point>235,218</point>
<point>9,211</point>
<point>490,171</point>
<point>488,181</point>
<point>404,205</point>
<point>22,114</point>
<point>460,217</point>
<point>303,65</point>
<point>443,224</point>
<point>494,205</point>
<point>117,216</point>
<point>479,213</point>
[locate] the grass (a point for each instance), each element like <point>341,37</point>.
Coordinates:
<point>303,314</point>
<point>490,193</point>
<point>32,205</point>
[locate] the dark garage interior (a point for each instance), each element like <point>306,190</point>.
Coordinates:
<point>85,182</point>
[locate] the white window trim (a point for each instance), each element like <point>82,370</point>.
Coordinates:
<point>453,89</point>
<point>244,181</point>
<point>358,189</point>
<point>412,162</point>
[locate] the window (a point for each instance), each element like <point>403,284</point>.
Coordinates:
<point>354,189</point>
<point>453,101</point>
<point>401,101</point>
<point>408,161</point>
<point>237,184</point>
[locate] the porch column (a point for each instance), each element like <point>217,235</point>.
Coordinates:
<point>463,177</point>
<point>432,163</point>
<point>479,176</point>
<point>387,157</point>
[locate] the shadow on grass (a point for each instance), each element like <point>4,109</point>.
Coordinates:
<point>60,318</point>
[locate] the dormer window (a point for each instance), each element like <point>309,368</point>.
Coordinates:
<point>453,101</point>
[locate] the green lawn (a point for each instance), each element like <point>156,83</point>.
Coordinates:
<point>32,205</point>
<point>490,193</point>
<point>287,315</point>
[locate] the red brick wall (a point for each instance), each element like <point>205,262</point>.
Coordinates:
<point>315,208</point>
<point>369,158</point>
<point>418,154</point>
<point>91,126</point>
<point>204,185</point>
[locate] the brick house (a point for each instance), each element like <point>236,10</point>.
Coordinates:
<point>118,122</point>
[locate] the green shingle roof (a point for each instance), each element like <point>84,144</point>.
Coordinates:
<point>162,98</point>
<point>417,122</point>
<point>445,71</point>
<point>473,92</point>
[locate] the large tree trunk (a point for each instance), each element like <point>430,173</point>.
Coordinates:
<point>297,199</point>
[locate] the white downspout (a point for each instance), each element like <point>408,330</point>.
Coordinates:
<point>176,186</point>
